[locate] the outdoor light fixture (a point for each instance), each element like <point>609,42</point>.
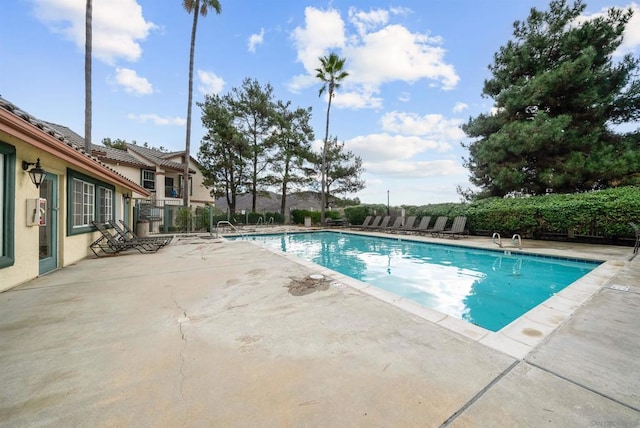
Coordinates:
<point>36,173</point>
<point>126,197</point>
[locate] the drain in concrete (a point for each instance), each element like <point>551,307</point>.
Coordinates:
<point>308,285</point>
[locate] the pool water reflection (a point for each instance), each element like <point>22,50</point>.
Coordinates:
<point>486,288</point>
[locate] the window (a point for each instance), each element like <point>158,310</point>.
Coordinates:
<point>7,204</point>
<point>105,204</point>
<point>89,199</point>
<point>83,203</point>
<point>149,179</point>
<point>7,197</point>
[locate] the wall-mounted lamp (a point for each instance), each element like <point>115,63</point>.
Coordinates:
<point>126,197</point>
<point>36,173</point>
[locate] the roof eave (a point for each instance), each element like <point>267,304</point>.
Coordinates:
<point>31,134</point>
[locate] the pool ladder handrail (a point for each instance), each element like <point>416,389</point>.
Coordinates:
<point>262,221</point>
<point>227,223</point>
<point>515,238</point>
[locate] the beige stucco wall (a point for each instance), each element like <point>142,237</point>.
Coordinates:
<point>201,193</point>
<point>26,238</point>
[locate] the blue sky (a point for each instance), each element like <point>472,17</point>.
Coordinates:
<point>416,72</point>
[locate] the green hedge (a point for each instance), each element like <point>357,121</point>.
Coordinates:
<point>604,214</point>
<point>356,215</point>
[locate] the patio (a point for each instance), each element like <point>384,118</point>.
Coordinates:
<point>207,333</point>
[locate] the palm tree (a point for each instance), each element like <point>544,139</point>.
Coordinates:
<point>198,8</point>
<point>87,77</point>
<point>331,74</point>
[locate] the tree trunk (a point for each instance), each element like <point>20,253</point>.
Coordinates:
<point>283,201</point>
<point>254,183</point>
<point>187,146</point>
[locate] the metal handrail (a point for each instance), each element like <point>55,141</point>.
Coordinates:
<point>493,239</point>
<point>515,238</point>
<point>226,223</point>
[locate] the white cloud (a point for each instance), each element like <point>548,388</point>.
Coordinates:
<point>404,97</point>
<point>157,120</point>
<point>433,126</point>
<point>382,147</point>
<point>132,83</point>
<point>255,40</point>
<point>377,52</point>
<point>118,26</point>
<point>418,169</point>
<point>300,82</point>
<point>209,83</point>
<point>323,31</point>
<point>357,100</point>
<point>367,21</point>
<point>394,53</point>
<point>460,107</point>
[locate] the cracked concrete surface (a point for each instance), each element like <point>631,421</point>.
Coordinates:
<point>97,344</point>
<point>182,320</point>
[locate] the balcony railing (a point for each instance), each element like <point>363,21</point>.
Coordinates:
<point>172,192</point>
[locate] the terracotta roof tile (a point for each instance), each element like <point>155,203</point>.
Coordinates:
<point>61,133</point>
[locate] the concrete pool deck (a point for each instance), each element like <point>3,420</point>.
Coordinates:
<point>206,333</point>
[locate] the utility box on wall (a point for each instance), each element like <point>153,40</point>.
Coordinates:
<point>37,212</point>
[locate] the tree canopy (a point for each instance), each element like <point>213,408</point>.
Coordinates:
<point>559,93</point>
<point>254,143</point>
<point>344,171</point>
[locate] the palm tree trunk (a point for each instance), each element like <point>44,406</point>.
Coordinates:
<point>187,146</point>
<point>323,173</point>
<point>87,77</point>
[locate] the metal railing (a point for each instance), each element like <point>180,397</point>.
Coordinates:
<point>516,240</point>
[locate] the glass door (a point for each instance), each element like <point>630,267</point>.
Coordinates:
<point>48,242</point>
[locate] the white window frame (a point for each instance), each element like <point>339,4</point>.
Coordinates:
<point>148,183</point>
<point>88,199</point>
<point>83,203</point>
<point>105,204</point>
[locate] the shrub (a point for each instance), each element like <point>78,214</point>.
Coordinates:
<point>297,216</point>
<point>357,214</point>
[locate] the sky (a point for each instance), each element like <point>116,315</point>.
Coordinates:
<point>416,71</point>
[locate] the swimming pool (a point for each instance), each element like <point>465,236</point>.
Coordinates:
<point>487,288</point>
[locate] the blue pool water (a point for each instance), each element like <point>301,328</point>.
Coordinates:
<point>486,288</point>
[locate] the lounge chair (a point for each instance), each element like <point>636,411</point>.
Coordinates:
<point>336,222</point>
<point>422,225</point>
<point>397,224</point>
<point>440,224</point>
<point>129,236</point>
<point>374,223</point>
<point>108,244</point>
<point>383,224</point>
<point>366,221</point>
<point>457,228</point>
<point>408,225</point>
<point>127,229</point>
